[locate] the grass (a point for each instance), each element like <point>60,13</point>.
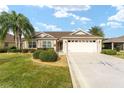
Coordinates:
<point>19,71</point>
<point>120,54</point>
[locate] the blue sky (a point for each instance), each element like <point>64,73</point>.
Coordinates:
<point>69,18</point>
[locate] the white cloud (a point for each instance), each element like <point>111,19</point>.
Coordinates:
<point>84,19</point>
<point>62,11</point>
<point>102,24</point>
<point>66,7</point>
<point>118,7</point>
<point>4,8</point>
<point>116,21</point>
<point>49,27</point>
<point>119,16</point>
<point>70,7</point>
<point>41,6</point>
<point>60,14</point>
<point>66,11</point>
<point>36,28</point>
<point>72,23</point>
<point>112,24</point>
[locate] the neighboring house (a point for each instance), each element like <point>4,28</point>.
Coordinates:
<point>78,41</point>
<point>9,41</point>
<point>113,43</point>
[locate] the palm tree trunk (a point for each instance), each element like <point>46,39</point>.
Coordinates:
<point>20,34</point>
<point>15,37</point>
<point>16,41</point>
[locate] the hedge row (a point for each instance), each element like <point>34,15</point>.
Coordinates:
<point>109,52</point>
<point>48,55</point>
<point>5,50</point>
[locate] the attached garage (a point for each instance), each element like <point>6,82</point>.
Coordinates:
<point>82,46</point>
<point>80,41</point>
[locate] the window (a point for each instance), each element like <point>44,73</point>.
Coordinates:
<point>94,41</point>
<point>6,44</point>
<point>72,41</point>
<point>32,44</point>
<point>46,44</point>
<point>83,41</point>
<point>76,40</point>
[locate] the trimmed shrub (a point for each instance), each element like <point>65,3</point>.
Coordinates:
<point>3,50</point>
<point>48,55</point>
<point>32,50</point>
<point>45,48</point>
<point>117,48</point>
<point>13,47</point>
<point>14,50</point>
<point>36,54</point>
<point>28,50</point>
<point>24,50</point>
<point>109,52</point>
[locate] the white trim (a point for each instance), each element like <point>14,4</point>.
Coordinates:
<point>45,34</point>
<point>80,30</point>
<point>46,38</point>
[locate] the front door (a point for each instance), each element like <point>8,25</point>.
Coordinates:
<point>59,45</point>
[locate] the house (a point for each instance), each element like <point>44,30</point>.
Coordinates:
<point>78,41</point>
<point>8,42</point>
<point>113,43</point>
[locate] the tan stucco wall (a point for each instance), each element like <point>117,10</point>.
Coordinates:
<point>39,43</point>
<point>10,44</point>
<point>25,44</point>
<point>99,45</point>
<point>65,45</point>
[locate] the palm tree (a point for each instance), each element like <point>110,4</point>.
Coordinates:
<point>18,24</point>
<point>97,31</point>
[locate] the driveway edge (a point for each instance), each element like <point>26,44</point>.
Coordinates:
<point>78,79</point>
<point>72,74</point>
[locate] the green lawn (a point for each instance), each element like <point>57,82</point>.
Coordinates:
<point>18,71</point>
<point>120,54</point>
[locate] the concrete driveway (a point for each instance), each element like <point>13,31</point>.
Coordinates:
<point>96,70</point>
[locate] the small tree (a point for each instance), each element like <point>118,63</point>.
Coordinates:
<point>97,31</point>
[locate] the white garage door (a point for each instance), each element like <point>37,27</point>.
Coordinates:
<point>82,46</point>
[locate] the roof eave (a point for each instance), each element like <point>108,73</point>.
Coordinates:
<point>113,41</point>
<point>84,37</point>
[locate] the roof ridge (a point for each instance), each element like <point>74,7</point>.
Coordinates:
<point>58,31</point>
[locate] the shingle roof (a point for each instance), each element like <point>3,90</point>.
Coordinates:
<point>66,34</point>
<point>117,39</point>
<point>9,38</point>
<point>58,34</point>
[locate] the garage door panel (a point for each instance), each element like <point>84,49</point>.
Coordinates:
<point>82,47</point>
